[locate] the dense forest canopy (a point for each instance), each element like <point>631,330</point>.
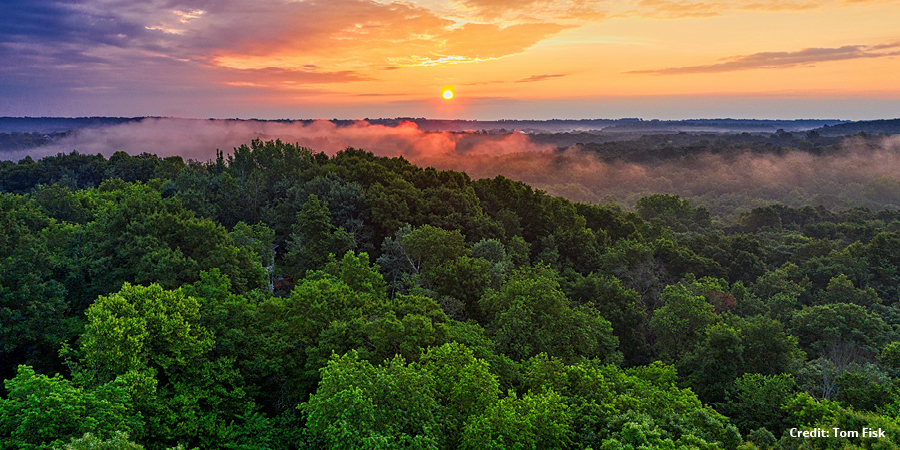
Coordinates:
<point>279,298</point>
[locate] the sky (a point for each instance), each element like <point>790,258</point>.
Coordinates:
<point>505,59</point>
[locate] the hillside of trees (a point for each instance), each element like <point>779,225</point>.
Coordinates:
<point>280,298</point>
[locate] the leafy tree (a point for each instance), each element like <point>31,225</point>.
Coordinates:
<point>259,239</point>
<point>635,264</point>
<point>715,362</point>
<point>768,349</point>
<point>417,253</point>
<point>340,309</point>
<point>430,246</point>
<point>424,405</point>
<point>760,401</point>
<point>760,218</point>
<point>139,237</point>
<point>315,238</point>
<point>35,315</point>
<point>622,307</point>
<point>679,324</point>
<point>530,314</point>
<point>358,405</point>
<point>532,421</point>
<point>674,212</point>
<point>141,327</point>
<point>606,400</point>
<point>890,355</point>
<point>89,441</point>
<point>867,388</point>
<point>493,251</point>
<point>150,341</point>
<point>64,204</point>
<point>358,273</point>
<point>464,386</point>
<point>816,327</point>
<point>40,412</point>
<point>841,290</point>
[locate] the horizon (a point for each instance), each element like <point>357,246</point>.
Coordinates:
<point>512,59</point>
<point>459,119</point>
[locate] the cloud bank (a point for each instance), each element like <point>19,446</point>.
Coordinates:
<point>859,174</point>
<point>775,60</point>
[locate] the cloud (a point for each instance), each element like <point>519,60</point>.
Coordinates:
<point>359,35</point>
<point>534,78</point>
<point>277,44</point>
<point>774,60</point>
<point>287,78</point>
<point>70,22</point>
<point>778,6</point>
<point>482,41</point>
<point>675,10</point>
<point>481,83</point>
<point>534,10</point>
<point>198,139</point>
<point>494,8</point>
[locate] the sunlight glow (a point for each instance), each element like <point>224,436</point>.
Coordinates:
<point>447,93</point>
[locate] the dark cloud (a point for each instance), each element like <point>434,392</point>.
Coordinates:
<point>66,22</point>
<point>534,78</point>
<point>773,60</point>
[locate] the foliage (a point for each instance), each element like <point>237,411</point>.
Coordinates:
<point>530,314</point>
<point>40,412</point>
<point>278,298</point>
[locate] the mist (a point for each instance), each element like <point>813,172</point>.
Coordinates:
<point>859,174</point>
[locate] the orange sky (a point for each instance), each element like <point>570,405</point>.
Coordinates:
<point>506,58</point>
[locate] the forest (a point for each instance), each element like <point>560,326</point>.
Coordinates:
<point>280,298</point>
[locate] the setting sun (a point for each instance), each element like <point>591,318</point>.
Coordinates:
<point>447,92</point>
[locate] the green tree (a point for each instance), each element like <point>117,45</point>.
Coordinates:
<point>532,421</point>
<point>139,237</point>
<point>759,401</point>
<point>150,341</point>
<point>530,314</point>
<point>40,412</point>
<point>358,405</point>
<point>464,387</point>
<point>817,327</point>
<point>259,239</point>
<point>715,362</point>
<point>35,315</point>
<point>89,441</point>
<point>841,290</point>
<point>622,307</point>
<point>315,238</point>
<point>679,324</point>
<point>768,350</point>
<point>674,212</point>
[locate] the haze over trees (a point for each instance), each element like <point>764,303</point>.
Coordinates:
<point>728,166</point>
<point>280,298</point>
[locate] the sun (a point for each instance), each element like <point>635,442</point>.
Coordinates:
<point>447,93</point>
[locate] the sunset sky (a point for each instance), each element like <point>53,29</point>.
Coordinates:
<point>513,59</point>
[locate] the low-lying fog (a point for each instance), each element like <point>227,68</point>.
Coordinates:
<point>859,175</point>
